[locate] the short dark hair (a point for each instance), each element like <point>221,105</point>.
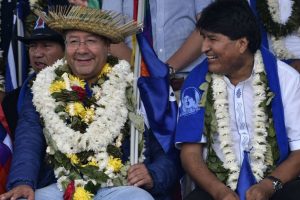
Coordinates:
<point>233,18</point>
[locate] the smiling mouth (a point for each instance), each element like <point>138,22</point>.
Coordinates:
<point>40,65</point>
<point>83,59</point>
<point>211,57</point>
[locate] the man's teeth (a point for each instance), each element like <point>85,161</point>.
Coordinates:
<point>211,57</point>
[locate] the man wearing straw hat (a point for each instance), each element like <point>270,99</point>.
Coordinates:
<point>84,102</point>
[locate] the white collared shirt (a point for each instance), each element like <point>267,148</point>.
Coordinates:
<point>241,111</point>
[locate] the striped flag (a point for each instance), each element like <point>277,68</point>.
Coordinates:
<point>5,151</point>
<point>17,67</point>
<point>157,96</point>
<point>246,177</point>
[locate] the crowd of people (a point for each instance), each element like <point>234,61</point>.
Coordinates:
<point>237,135</point>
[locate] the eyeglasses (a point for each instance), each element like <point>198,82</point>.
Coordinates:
<point>74,43</point>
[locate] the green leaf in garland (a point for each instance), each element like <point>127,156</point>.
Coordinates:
<point>59,108</point>
<point>118,181</point>
<point>62,160</point>
<point>112,60</point>
<point>131,102</point>
<point>204,86</point>
<point>272,131</point>
<point>137,121</point>
<point>61,70</point>
<point>270,96</point>
<point>277,29</point>
<point>208,77</point>
<point>114,151</point>
<point>94,173</point>
<point>91,187</point>
<point>83,156</point>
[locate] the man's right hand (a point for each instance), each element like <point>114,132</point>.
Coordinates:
<point>24,191</point>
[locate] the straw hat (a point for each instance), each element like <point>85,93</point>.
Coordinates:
<point>101,22</point>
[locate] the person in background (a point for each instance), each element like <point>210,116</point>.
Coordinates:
<point>84,102</point>
<point>79,2</point>
<point>173,28</point>
<point>281,21</point>
<point>45,46</point>
<point>243,141</point>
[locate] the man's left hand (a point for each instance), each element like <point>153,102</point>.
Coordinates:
<point>138,175</point>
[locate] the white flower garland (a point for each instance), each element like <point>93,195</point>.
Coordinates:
<point>223,121</point>
<point>280,49</point>
<point>279,46</point>
<point>257,154</point>
<point>110,115</point>
<point>273,6</point>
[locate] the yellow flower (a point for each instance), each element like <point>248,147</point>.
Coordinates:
<point>105,70</point>
<point>57,86</point>
<point>92,162</point>
<point>76,81</point>
<point>114,163</point>
<point>89,115</point>
<point>74,159</point>
<point>76,109</point>
<point>82,194</point>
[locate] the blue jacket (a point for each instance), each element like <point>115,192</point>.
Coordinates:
<point>29,166</point>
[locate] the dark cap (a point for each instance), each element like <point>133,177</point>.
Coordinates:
<point>42,32</point>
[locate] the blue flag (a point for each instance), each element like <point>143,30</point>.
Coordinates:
<point>5,151</point>
<point>157,96</point>
<point>10,72</point>
<point>246,178</point>
<point>16,67</point>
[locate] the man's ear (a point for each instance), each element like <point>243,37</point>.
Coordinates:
<point>243,44</point>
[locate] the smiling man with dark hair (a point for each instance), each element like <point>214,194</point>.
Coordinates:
<point>244,140</point>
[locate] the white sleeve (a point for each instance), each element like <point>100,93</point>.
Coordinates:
<point>289,80</point>
<point>202,141</point>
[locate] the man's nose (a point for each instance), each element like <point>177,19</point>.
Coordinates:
<point>205,46</point>
<point>37,51</point>
<point>82,47</point>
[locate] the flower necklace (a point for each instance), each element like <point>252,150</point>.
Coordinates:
<point>84,135</point>
<point>280,49</point>
<point>220,105</point>
<point>269,14</point>
<point>107,123</point>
